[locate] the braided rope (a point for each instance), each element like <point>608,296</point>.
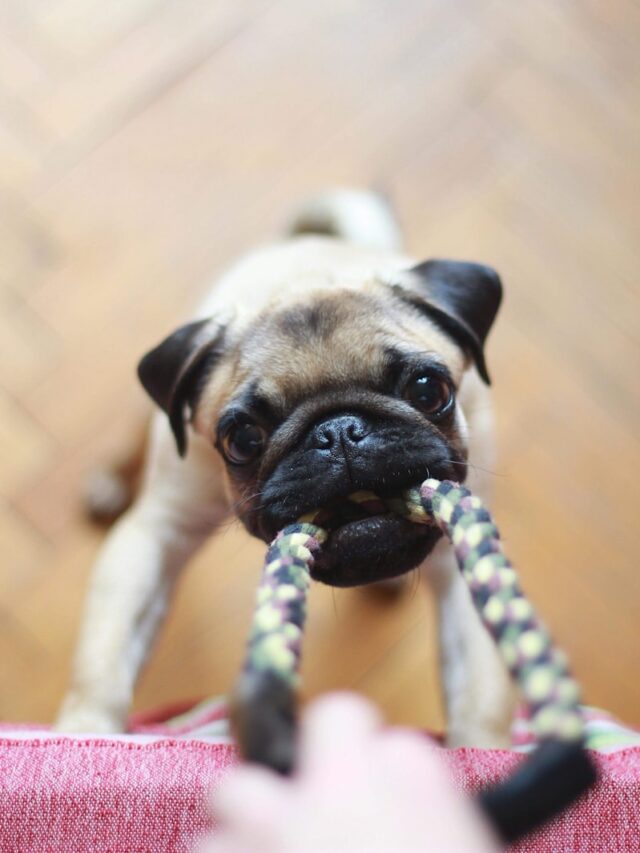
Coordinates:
<point>264,709</point>
<point>281,602</point>
<point>539,667</point>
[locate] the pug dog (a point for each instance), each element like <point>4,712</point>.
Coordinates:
<point>321,365</point>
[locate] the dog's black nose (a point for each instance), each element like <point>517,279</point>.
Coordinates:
<point>340,430</point>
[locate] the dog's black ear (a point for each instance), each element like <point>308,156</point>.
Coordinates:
<point>170,373</point>
<point>462,298</point>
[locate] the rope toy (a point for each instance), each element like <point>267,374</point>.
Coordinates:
<point>264,705</point>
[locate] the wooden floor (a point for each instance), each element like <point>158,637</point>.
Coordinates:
<point>144,144</point>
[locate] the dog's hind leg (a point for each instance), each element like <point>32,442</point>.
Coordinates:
<point>110,488</point>
<point>180,504</point>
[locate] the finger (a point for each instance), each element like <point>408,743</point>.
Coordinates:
<point>252,797</point>
<point>415,768</point>
<point>219,842</point>
<point>230,841</point>
<point>334,729</point>
<point>412,758</point>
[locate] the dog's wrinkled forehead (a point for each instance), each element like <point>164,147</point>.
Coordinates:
<point>330,341</point>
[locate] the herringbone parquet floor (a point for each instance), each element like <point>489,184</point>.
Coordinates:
<point>144,144</point>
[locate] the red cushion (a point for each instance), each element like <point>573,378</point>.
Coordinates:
<point>72,795</point>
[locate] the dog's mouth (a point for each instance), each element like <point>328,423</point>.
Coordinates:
<point>369,543</point>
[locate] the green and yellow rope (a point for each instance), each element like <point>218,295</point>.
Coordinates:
<point>538,667</point>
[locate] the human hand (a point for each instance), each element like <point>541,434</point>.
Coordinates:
<point>358,786</point>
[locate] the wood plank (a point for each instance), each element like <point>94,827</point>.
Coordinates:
<point>26,447</point>
<point>28,347</point>
<point>147,145</point>
<point>24,554</point>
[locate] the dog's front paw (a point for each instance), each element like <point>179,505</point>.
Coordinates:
<point>81,718</point>
<point>479,737</point>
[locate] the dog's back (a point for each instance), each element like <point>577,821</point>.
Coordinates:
<point>362,217</point>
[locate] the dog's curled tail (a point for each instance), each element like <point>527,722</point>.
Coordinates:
<point>363,217</point>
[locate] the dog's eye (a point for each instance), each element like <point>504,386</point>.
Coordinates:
<point>432,395</point>
<point>243,443</point>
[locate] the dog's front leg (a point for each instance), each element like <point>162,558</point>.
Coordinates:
<point>180,504</point>
<point>478,693</point>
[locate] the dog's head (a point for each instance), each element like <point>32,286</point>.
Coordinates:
<point>344,390</point>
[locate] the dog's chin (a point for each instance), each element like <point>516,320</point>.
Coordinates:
<point>373,549</point>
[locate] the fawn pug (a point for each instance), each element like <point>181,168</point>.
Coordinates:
<point>323,364</point>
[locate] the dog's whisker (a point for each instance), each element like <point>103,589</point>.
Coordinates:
<point>245,499</point>
<point>473,466</point>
